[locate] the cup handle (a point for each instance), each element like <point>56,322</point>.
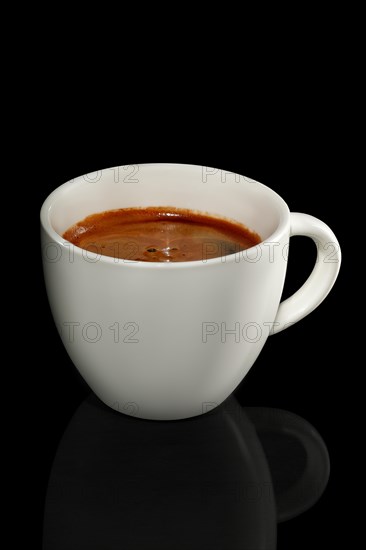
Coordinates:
<point>321,279</point>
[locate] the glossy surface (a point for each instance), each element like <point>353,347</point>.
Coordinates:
<point>213,482</point>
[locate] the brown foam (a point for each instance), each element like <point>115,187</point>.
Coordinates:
<point>160,234</point>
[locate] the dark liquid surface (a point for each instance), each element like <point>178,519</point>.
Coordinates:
<point>160,234</point>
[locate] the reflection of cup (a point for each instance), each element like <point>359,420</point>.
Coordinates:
<point>159,340</point>
<point>205,483</point>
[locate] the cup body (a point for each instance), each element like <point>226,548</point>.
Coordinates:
<point>165,340</point>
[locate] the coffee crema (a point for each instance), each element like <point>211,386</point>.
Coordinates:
<point>160,234</point>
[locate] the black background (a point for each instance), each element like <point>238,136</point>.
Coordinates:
<point>298,370</point>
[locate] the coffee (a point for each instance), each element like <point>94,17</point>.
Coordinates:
<point>160,234</point>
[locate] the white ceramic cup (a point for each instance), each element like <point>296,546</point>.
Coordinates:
<point>172,340</point>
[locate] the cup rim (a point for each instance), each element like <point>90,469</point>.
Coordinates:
<point>56,237</point>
